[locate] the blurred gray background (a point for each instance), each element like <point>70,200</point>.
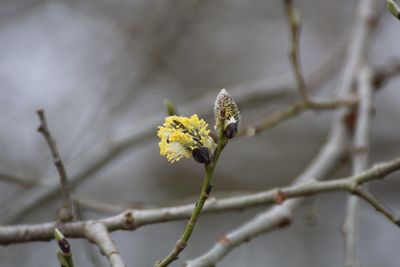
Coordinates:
<point>101,70</point>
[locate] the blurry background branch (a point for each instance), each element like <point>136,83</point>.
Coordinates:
<point>294,21</point>
<point>359,161</point>
<point>18,180</point>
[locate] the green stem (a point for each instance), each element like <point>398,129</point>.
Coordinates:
<point>205,190</point>
<point>64,259</point>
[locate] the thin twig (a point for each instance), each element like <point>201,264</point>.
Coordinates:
<point>291,111</point>
<point>293,18</point>
<point>378,205</point>
<point>18,180</point>
<point>386,72</point>
<point>98,234</point>
<point>66,211</point>
<point>133,219</point>
<point>360,163</point>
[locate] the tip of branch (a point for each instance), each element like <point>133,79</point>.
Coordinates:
<point>40,113</point>
<point>171,110</point>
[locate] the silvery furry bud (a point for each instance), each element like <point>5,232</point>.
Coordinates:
<point>227,112</point>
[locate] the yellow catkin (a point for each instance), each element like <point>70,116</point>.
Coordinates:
<point>180,135</point>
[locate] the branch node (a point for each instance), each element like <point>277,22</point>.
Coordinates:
<point>279,197</point>
<point>224,240</point>
<point>129,221</point>
<point>181,245</point>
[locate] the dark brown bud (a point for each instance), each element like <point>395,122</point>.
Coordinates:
<point>64,246</point>
<point>201,154</point>
<point>231,130</point>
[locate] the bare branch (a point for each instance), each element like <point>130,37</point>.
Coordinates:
<point>98,234</point>
<point>66,211</point>
<point>132,219</point>
<point>291,111</point>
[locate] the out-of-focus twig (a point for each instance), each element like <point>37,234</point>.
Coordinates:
<point>385,73</point>
<point>66,211</point>
<point>291,111</point>
<point>293,17</point>
<point>360,162</point>
<point>18,180</point>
